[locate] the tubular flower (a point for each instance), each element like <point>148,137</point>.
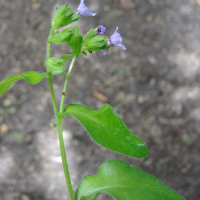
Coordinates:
<point>82,10</point>
<point>101,29</point>
<point>116,40</point>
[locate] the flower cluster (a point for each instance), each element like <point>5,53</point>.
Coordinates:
<point>114,41</point>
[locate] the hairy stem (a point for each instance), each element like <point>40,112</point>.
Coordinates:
<point>49,43</point>
<point>52,95</point>
<point>61,142</point>
<point>66,83</point>
<point>59,119</point>
<point>64,160</point>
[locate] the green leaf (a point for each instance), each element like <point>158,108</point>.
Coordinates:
<point>72,17</point>
<point>66,57</point>
<point>107,129</point>
<point>75,44</point>
<point>62,37</point>
<point>96,43</point>
<point>31,77</point>
<point>55,66</point>
<point>124,182</point>
<point>75,30</point>
<point>90,35</point>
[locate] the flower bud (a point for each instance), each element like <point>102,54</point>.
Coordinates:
<point>63,17</point>
<point>101,29</point>
<point>55,66</point>
<point>60,16</point>
<point>95,44</point>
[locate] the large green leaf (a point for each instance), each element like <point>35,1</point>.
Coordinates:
<point>124,182</point>
<point>31,77</point>
<point>107,129</point>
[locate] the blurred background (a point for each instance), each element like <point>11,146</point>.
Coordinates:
<point>153,86</point>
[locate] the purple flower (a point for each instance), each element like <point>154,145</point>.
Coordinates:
<point>101,29</point>
<point>82,10</point>
<point>116,40</point>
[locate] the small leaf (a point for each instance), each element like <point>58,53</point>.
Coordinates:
<point>55,66</point>
<point>62,37</point>
<point>124,182</point>
<point>90,35</point>
<point>66,57</point>
<point>31,77</point>
<point>75,44</point>
<point>72,17</point>
<point>75,30</point>
<point>107,129</point>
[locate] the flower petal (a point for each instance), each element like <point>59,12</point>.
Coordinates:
<point>82,10</point>
<point>101,29</point>
<point>116,40</point>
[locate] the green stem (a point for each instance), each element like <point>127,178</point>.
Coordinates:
<point>49,42</point>
<point>66,83</point>
<point>64,160</point>
<point>52,95</point>
<point>62,147</point>
<point>59,120</point>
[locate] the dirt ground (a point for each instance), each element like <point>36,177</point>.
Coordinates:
<point>153,85</point>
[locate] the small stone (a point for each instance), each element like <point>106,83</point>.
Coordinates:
<point>12,110</point>
<point>152,60</point>
<point>186,139</point>
<point>36,5</point>
<point>152,82</point>
<point>140,99</point>
<point>130,98</point>
<point>148,162</point>
<point>3,128</point>
<point>7,102</point>
<point>178,108</point>
<point>24,197</point>
<point>106,8</point>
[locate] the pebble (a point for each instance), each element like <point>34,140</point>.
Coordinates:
<point>24,197</point>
